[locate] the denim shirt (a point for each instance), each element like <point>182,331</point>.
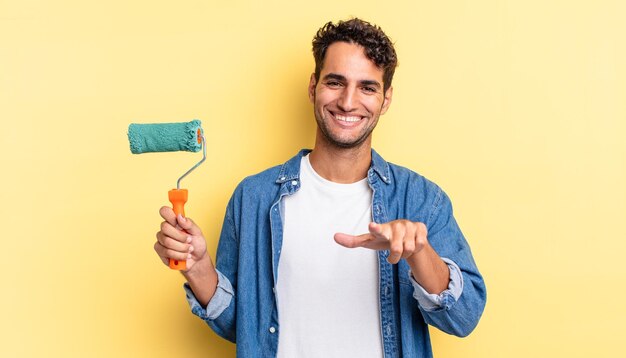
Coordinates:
<point>244,310</point>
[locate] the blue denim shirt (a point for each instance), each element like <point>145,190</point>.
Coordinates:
<point>244,309</point>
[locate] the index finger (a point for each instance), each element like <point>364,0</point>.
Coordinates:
<point>352,241</point>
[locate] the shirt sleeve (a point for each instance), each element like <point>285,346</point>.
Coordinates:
<point>219,302</point>
<point>444,300</point>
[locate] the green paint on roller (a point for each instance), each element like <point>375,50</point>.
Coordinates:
<point>164,137</point>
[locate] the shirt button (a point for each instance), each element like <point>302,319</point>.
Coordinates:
<point>272,330</point>
<point>294,182</point>
<point>282,178</point>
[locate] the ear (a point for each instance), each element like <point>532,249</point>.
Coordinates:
<point>312,85</point>
<point>387,100</point>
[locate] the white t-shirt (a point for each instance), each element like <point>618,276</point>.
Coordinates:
<point>328,301</point>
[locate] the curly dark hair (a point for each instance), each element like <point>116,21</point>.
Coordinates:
<point>378,47</point>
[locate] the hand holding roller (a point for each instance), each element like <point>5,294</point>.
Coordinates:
<point>169,137</point>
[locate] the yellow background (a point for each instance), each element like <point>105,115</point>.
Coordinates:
<point>516,108</point>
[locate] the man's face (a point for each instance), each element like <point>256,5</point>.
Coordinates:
<point>348,99</point>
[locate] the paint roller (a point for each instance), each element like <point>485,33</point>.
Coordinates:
<point>170,137</point>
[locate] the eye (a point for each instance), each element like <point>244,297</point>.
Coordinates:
<point>333,84</point>
<point>368,89</point>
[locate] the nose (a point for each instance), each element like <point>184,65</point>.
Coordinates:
<point>347,99</point>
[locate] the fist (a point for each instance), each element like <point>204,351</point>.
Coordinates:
<point>179,239</point>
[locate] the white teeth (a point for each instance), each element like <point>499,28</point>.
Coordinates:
<point>348,119</point>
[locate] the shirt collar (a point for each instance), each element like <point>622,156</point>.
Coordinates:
<point>291,169</point>
<point>380,167</point>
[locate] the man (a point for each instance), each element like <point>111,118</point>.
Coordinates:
<point>335,253</point>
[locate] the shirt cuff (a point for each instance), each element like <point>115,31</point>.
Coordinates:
<point>444,300</point>
<point>218,303</point>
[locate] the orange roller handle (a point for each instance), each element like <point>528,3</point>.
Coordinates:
<point>178,198</point>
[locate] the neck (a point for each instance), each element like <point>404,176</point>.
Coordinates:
<point>341,165</point>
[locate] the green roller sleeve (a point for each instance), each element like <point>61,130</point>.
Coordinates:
<point>164,137</point>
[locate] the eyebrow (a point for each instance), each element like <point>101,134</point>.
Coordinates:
<point>338,77</point>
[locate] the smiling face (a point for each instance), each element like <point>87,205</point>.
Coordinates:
<point>348,99</point>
